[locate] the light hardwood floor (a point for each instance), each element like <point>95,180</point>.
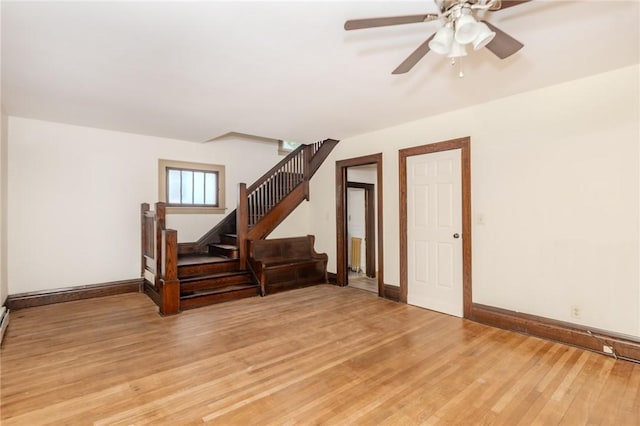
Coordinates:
<point>320,355</point>
<point>363,282</point>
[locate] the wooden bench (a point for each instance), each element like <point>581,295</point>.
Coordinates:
<point>286,263</point>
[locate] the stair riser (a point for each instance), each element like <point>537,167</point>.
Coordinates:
<point>205,300</point>
<point>224,252</point>
<point>214,282</point>
<point>207,269</point>
<point>228,239</point>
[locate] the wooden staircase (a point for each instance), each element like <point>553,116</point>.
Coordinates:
<point>215,268</point>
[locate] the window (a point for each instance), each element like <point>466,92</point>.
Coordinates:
<point>191,187</point>
<point>285,147</point>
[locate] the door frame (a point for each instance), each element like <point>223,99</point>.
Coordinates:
<point>465,161</point>
<point>341,216</point>
<point>370,225</point>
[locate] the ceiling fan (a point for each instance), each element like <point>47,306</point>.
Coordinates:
<point>461,27</point>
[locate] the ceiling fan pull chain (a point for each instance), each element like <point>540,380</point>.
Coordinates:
<point>459,62</point>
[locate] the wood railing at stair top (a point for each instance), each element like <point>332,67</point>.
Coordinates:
<point>264,204</point>
<point>159,263</point>
<point>153,222</point>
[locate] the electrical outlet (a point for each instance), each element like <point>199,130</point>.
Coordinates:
<point>607,349</point>
<point>575,312</point>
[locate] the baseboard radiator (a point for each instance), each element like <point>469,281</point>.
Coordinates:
<point>356,250</point>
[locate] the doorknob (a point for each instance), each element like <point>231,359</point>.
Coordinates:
<point>456,235</point>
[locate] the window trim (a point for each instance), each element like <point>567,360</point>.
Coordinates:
<point>163,165</point>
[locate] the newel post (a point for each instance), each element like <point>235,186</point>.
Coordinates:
<point>242,224</point>
<point>170,288</point>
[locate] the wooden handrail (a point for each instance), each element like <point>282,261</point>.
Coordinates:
<point>272,189</point>
<point>321,151</point>
<point>274,169</point>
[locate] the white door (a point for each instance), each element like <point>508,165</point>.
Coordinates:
<point>434,231</point>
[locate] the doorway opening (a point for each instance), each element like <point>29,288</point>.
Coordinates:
<point>359,223</point>
<point>361,229</point>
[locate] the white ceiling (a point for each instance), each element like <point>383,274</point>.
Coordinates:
<point>284,70</point>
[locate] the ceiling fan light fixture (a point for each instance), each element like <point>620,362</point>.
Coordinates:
<point>441,42</point>
<point>467,29</point>
<point>484,37</point>
<point>463,25</point>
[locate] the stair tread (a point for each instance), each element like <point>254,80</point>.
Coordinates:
<point>217,290</point>
<point>212,276</point>
<point>199,259</point>
<point>225,246</point>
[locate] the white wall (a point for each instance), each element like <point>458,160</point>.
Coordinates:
<point>4,287</point>
<point>555,175</point>
<point>362,174</point>
<point>74,197</point>
<point>297,224</point>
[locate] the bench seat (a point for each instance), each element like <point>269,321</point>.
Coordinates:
<point>286,263</point>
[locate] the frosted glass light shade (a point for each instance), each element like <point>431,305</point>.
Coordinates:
<point>457,50</point>
<point>484,37</point>
<point>467,29</point>
<point>441,42</point>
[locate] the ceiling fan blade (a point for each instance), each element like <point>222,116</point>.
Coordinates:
<point>504,4</point>
<point>502,45</point>
<point>413,59</point>
<point>358,24</point>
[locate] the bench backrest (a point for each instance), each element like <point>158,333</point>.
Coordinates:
<point>289,248</point>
